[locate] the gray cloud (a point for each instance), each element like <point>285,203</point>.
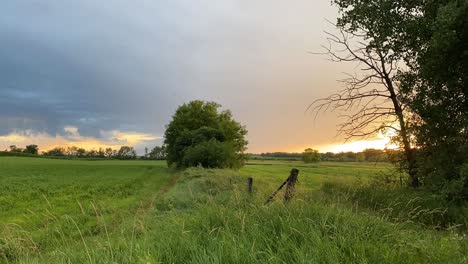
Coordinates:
<point>126,65</point>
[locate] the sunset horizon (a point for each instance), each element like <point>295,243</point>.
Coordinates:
<point>116,139</point>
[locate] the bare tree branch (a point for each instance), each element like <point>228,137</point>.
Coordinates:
<point>369,100</point>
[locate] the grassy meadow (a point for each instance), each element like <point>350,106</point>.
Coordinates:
<point>109,211</point>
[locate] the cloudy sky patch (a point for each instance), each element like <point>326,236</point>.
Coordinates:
<point>126,65</point>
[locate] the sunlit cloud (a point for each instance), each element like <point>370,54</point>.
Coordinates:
<point>73,131</point>
<point>12,138</point>
<point>113,139</point>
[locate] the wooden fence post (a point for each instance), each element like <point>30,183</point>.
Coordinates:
<point>291,183</point>
<point>289,189</point>
<point>249,184</point>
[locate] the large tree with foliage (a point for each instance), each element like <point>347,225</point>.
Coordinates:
<point>31,149</point>
<point>126,153</point>
<point>371,99</point>
<point>310,155</point>
<point>157,153</point>
<point>435,90</point>
<point>57,151</point>
<point>428,38</point>
<point>200,134</point>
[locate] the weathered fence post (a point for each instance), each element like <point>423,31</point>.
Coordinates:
<point>292,179</point>
<point>249,184</point>
<point>290,188</point>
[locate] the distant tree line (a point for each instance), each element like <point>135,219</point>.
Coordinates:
<point>310,155</point>
<point>289,155</point>
<point>123,153</point>
<point>371,155</point>
<point>29,149</point>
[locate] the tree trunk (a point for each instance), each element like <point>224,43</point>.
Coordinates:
<point>409,155</point>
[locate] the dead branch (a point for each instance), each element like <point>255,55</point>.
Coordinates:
<point>369,100</point>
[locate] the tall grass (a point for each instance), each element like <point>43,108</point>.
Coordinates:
<point>208,217</point>
<point>400,204</point>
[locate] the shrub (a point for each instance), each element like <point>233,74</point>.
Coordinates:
<point>401,204</point>
<point>310,155</point>
<point>126,153</point>
<point>210,154</point>
<point>201,135</point>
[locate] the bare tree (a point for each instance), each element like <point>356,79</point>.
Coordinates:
<point>370,100</point>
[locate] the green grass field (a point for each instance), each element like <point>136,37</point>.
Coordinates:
<point>105,211</point>
<point>312,175</point>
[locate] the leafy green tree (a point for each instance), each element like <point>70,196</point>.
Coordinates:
<point>328,156</point>
<point>360,157</point>
<point>31,149</point>
<point>109,153</point>
<point>101,153</point>
<point>371,98</point>
<point>71,151</point>
<point>430,39</point>
<point>81,152</point>
<point>210,154</point>
<point>436,91</point>
<point>310,155</point>
<point>91,153</point>
<point>57,151</point>
<point>199,134</point>
<point>375,155</point>
<point>158,153</point>
<point>126,153</point>
<point>14,148</point>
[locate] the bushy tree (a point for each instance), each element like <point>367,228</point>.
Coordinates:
<point>110,153</point>
<point>57,151</point>
<point>429,38</point>
<point>81,152</point>
<point>283,155</point>
<point>199,134</point>
<point>360,157</point>
<point>371,99</point>
<point>14,148</point>
<point>210,154</point>
<point>71,151</point>
<point>92,153</point>
<point>100,153</point>
<point>310,155</point>
<point>126,153</point>
<point>436,89</point>
<point>157,153</point>
<point>31,149</point>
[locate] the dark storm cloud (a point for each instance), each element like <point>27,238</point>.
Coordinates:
<point>63,63</point>
<point>37,88</point>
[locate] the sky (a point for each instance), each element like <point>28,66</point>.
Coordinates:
<point>110,73</point>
